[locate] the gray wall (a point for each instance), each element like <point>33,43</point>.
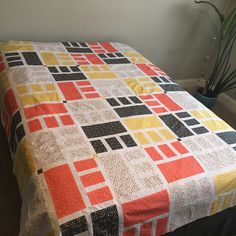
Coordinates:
<point>175,34</point>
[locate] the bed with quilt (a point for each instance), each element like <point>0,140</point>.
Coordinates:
<point>105,143</point>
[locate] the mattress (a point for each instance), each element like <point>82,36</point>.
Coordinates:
<point>105,143</point>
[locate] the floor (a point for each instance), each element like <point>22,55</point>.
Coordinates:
<point>9,195</point>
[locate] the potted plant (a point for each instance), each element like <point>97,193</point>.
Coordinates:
<point>223,76</point>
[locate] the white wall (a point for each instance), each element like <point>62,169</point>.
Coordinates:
<point>175,34</point>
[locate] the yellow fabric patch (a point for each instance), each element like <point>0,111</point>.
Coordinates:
<point>140,87</point>
<point>216,125</point>
<point>197,114</point>
<point>50,87</point>
<point>24,166</point>
<point>142,122</point>
<point>68,63</point>
<point>208,114</point>
<point>22,89</point>
<point>154,136</point>
<point>141,138</point>
<point>225,182</point>
<point>215,206</point>
<point>39,98</point>
<point>36,87</point>
<point>144,79</point>
<point>149,84</point>
<point>227,200</point>
<point>132,54</point>
<point>101,75</point>
<point>8,47</point>
<point>167,134</point>
<point>49,58</point>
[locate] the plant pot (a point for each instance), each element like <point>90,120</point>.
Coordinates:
<point>207,101</point>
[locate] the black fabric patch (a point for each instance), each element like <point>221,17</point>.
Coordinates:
<point>20,133</point>
<point>66,44</point>
<point>183,114</point>
<point>75,226</point>
<point>15,63</point>
<point>164,79</point>
<point>99,130</point>
<point>229,137</point>
<point>171,87</point>
<point>111,55</point>
<point>113,143</point>
<point>106,221</point>
<point>200,130</point>
<point>75,68</point>
<point>79,50</point>
<point>191,122</point>
<point>69,76</point>
<point>128,140</point>
<point>11,54</point>
<point>132,111</point>
<point>117,61</point>
<point>176,126</point>
<point>53,69</point>
<point>98,146</point>
<point>119,54</point>
<point>102,55</point>
<point>113,102</point>
<point>135,99</point>
<point>40,171</point>
<point>31,58</point>
<point>156,79</point>
<point>64,69</point>
<point>16,58</point>
<point>124,100</point>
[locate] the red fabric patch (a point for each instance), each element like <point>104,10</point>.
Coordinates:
<point>69,91</point>
<point>161,226</point>
<point>92,95</point>
<point>94,59</point>
<point>159,109</point>
<point>85,164</point>
<point>145,208</point>
<point>83,83</point>
<point>10,102</point>
<point>34,125</point>
<point>166,150</point>
<point>147,69</point>
<point>100,195</point>
<point>130,232</point>
<point>87,89</point>
<point>146,97</point>
<point>153,153</point>
<point>179,147</point>
<point>180,169</point>
<point>108,47</point>
<point>66,120</point>
<point>152,103</point>
<point>168,102</point>
<point>51,122</point>
<point>64,191</point>
<point>44,109</point>
<point>146,229</point>
<point>92,179</point>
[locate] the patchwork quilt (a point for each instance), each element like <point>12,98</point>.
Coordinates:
<point>106,143</point>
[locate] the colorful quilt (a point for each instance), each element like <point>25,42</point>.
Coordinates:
<point>106,143</point>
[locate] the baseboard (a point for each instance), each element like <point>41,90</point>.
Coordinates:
<point>224,99</point>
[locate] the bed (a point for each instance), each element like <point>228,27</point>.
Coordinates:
<point>105,143</point>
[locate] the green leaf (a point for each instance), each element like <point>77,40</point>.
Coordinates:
<point>229,23</point>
